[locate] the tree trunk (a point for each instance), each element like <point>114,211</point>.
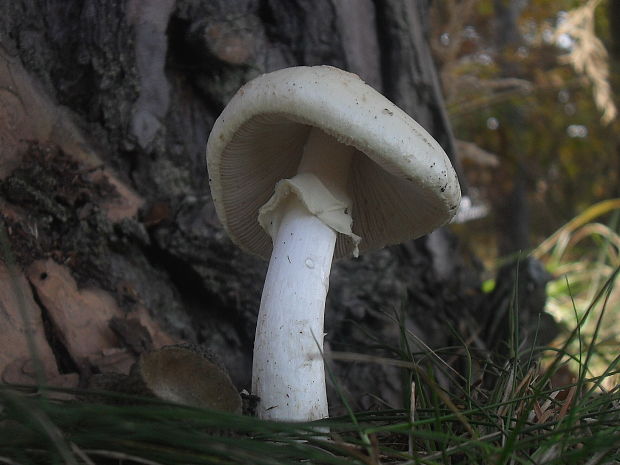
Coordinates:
<point>511,205</point>
<point>106,107</point>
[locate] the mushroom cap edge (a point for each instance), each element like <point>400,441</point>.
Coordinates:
<point>342,105</point>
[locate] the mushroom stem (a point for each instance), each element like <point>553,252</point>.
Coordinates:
<point>329,160</point>
<point>288,373</point>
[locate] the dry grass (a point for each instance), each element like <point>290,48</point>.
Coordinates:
<point>588,56</point>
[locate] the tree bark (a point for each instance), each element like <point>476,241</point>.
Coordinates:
<point>106,109</point>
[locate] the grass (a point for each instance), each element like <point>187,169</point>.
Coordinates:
<point>581,255</point>
<point>521,418</point>
<point>512,411</point>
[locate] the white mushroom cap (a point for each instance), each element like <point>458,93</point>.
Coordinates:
<point>401,183</point>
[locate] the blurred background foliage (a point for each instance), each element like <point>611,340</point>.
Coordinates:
<point>532,92</point>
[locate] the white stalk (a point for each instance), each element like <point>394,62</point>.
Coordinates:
<point>288,373</point>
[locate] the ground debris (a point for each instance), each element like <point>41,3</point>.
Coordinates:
<point>61,214</point>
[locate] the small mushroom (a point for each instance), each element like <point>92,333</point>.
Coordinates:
<point>184,373</point>
<point>189,375</point>
<point>308,164</point>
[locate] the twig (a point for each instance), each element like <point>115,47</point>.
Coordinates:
<point>411,416</point>
<point>8,461</point>
<point>120,456</point>
<point>81,454</point>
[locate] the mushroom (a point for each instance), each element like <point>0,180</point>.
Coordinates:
<point>308,164</point>
<point>186,374</point>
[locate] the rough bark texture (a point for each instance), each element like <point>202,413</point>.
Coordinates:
<point>119,97</point>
